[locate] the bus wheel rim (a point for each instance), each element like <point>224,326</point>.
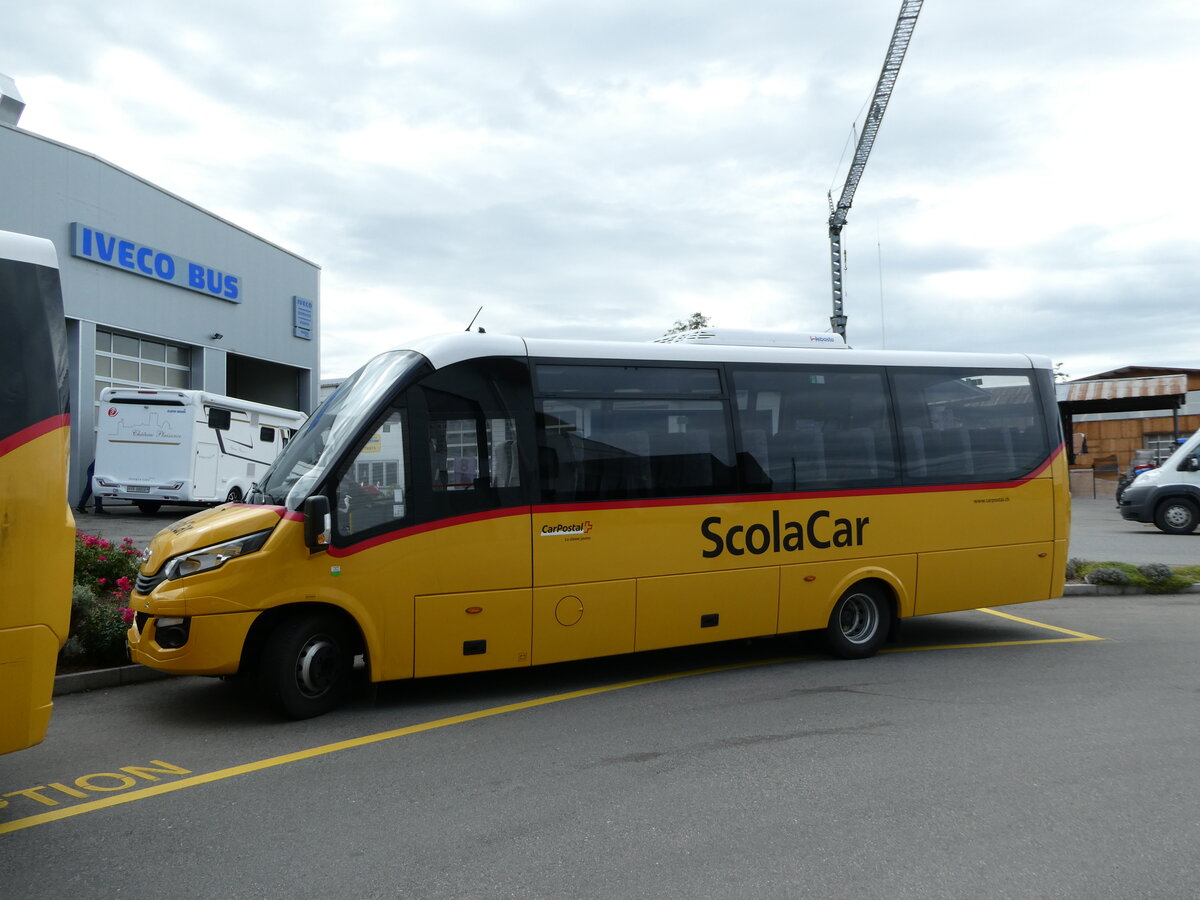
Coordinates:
<point>859,618</point>
<point>316,666</point>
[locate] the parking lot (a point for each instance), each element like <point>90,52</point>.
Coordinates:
<point>1033,751</point>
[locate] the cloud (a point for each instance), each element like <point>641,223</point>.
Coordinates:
<point>605,167</point>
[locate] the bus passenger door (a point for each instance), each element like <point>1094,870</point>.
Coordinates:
<point>470,566</point>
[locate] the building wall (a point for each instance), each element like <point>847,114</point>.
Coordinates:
<point>1121,437</point>
<point>46,186</point>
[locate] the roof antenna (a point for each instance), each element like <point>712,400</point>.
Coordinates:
<point>473,318</point>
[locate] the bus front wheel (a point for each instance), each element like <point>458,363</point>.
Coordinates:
<point>859,623</point>
<point>305,667</point>
<point>1176,516</point>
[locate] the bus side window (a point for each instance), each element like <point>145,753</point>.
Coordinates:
<point>969,425</point>
<point>472,438</point>
<point>464,458</point>
<point>266,434</point>
<point>595,449</point>
<point>372,490</point>
<point>805,428</point>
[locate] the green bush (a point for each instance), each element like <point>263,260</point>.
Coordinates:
<point>104,576</point>
<point>1156,578</point>
<point>1155,572</point>
<point>1110,575</point>
<point>1075,568</point>
<point>1162,579</point>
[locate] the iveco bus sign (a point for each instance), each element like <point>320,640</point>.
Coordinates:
<point>139,259</point>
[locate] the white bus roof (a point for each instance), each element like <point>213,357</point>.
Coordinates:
<point>445,349</point>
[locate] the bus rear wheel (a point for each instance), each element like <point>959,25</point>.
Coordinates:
<point>860,621</point>
<point>234,495</point>
<point>1176,516</point>
<point>306,664</point>
<point>148,507</point>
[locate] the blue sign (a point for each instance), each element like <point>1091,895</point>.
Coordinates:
<point>302,318</point>
<point>139,259</point>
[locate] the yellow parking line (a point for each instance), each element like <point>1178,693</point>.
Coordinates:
<point>351,743</point>
<point>1077,635</point>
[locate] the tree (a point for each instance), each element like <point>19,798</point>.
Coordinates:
<point>1059,375</point>
<point>695,322</point>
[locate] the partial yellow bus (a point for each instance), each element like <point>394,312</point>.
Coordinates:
<point>480,502</point>
<point>37,530</point>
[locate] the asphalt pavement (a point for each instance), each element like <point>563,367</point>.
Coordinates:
<point>1046,750</point>
<point>1098,533</point>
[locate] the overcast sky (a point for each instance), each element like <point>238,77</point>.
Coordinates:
<point>602,168</point>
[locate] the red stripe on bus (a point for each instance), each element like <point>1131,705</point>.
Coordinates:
<point>435,525</point>
<point>33,432</point>
<point>709,500</point>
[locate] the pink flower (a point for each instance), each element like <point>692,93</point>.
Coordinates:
<point>124,583</point>
<point>127,614</point>
<point>101,581</point>
<point>101,558</point>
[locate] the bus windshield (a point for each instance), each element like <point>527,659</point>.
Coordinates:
<point>314,449</point>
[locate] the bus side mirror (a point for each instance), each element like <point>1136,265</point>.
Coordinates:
<point>316,523</point>
<point>1191,464</point>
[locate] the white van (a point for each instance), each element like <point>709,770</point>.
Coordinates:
<point>1168,496</point>
<point>169,446</point>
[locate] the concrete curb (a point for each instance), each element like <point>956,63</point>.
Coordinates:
<point>95,679</point>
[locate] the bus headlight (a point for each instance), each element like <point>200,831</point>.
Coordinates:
<point>208,558</point>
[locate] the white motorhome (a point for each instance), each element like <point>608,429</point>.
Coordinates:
<point>170,446</point>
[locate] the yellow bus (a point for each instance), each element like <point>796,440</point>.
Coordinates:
<point>480,501</point>
<point>37,530</point>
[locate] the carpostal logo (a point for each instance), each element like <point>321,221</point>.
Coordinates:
<point>567,529</point>
<point>819,530</point>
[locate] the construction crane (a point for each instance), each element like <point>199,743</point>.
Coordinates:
<point>909,10</point>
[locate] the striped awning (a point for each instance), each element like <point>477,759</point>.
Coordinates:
<point>1125,394</point>
<point>1131,388</point>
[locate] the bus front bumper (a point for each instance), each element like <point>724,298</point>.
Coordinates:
<point>211,645</point>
